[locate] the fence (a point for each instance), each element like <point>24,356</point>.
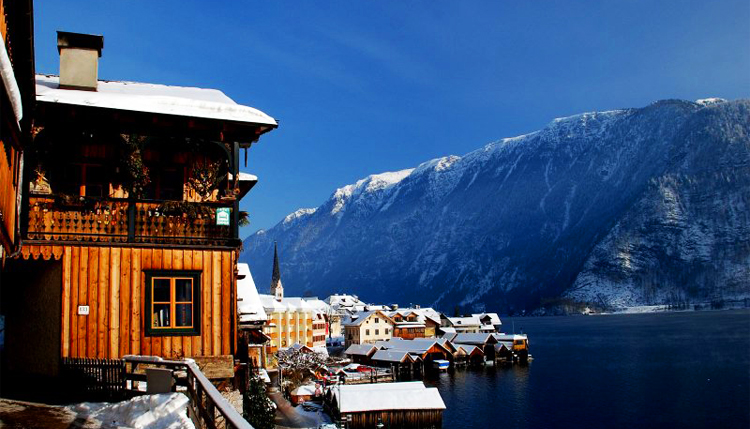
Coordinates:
<point>95,379</point>
<point>105,379</point>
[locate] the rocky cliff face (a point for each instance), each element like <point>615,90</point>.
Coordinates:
<point>625,207</point>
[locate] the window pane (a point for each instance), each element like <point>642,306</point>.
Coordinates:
<point>160,317</point>
<point>184,290</point>
<point>96,183</point>
<point>162,291</point>
<point>184,315</point>
<point>172,182</point>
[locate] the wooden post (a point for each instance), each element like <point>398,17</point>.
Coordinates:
<point>235,166</point>
<point>131,220</point>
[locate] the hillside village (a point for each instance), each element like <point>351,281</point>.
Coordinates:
<point>312,349</point>
<point>120,279</point>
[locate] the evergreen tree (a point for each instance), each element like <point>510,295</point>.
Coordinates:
<point>256,405</point>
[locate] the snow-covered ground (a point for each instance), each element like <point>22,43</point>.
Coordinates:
<point>162,411</point>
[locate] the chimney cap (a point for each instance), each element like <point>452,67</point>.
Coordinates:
<point>66,39</point>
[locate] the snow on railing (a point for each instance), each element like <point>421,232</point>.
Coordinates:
<point>205,400</point>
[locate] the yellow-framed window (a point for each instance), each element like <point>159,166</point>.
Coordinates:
<point>172,304</point>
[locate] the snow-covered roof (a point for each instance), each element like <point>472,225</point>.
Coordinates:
<point>468,348</point>
<point>343,299</point>
<point>494,318</point>
<point>152,98</point>
<point>249,306</point>
<point>287,304</point>
<point>409,325</point>
<point>417,345</point>
<point>507,344</point>
<point>244,177</point>
<point>361,317</point>
<point>317,304</point>
<point>304,390</point>
<point>298,346</point>
<point>465,321</point>
<point>10,84</point>
<point>355,398</point>
<point>475,339</point>
<point>510,337</point>
<point>398,356</point>
<point>360,349</point>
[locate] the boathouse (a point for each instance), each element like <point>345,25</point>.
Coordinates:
<point>468,355</point>
<point>428,349</point>
<point>517,344</point>
<point>361,353</point>
<point>399,361</point>
<point>392,405</point>
<point>485,341</point>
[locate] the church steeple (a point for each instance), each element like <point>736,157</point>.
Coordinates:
<point>277,290</point>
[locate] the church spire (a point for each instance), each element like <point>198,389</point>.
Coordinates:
<point>277,290</point>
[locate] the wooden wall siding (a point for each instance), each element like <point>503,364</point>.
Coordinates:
<point>110,280</point>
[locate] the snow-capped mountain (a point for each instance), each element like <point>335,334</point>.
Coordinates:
<point>625,207</point>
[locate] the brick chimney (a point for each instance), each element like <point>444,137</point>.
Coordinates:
<point>79,59</point>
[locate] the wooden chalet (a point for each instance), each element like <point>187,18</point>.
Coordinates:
<point>407,325</point>
<point>130,233</point>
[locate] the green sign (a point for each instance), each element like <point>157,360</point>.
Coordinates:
<point>222,216</point>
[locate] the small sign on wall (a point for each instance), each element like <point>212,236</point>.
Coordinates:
<point>222,216</point>
<point>83,310</point>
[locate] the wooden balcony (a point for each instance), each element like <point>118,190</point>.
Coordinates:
<point>124,221</point>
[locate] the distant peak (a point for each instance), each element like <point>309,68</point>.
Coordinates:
<point>585,117</point>
<point>437,164</point>
<point>710,101</point>
<point>370,184</point>
<point>298,214</point>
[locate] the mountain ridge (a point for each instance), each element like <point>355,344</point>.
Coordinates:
<point>465,230</point>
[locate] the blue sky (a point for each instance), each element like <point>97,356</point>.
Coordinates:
<point>362,87</point>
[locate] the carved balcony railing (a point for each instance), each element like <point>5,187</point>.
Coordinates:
<point>124,221</point>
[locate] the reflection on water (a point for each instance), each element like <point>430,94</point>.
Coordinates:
<point>626,371</point>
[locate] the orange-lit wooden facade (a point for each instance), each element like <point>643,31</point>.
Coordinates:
<point>110,280</point>
<point>109,239</point>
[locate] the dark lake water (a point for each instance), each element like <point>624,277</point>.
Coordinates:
<point>666,370</point>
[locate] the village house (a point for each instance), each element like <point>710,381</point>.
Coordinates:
<point>368,327</point>
<point>407,325</point>
<point>130,237</point>
<point>468,324</point>
<point>490,322</point>
<point>415,323</point>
